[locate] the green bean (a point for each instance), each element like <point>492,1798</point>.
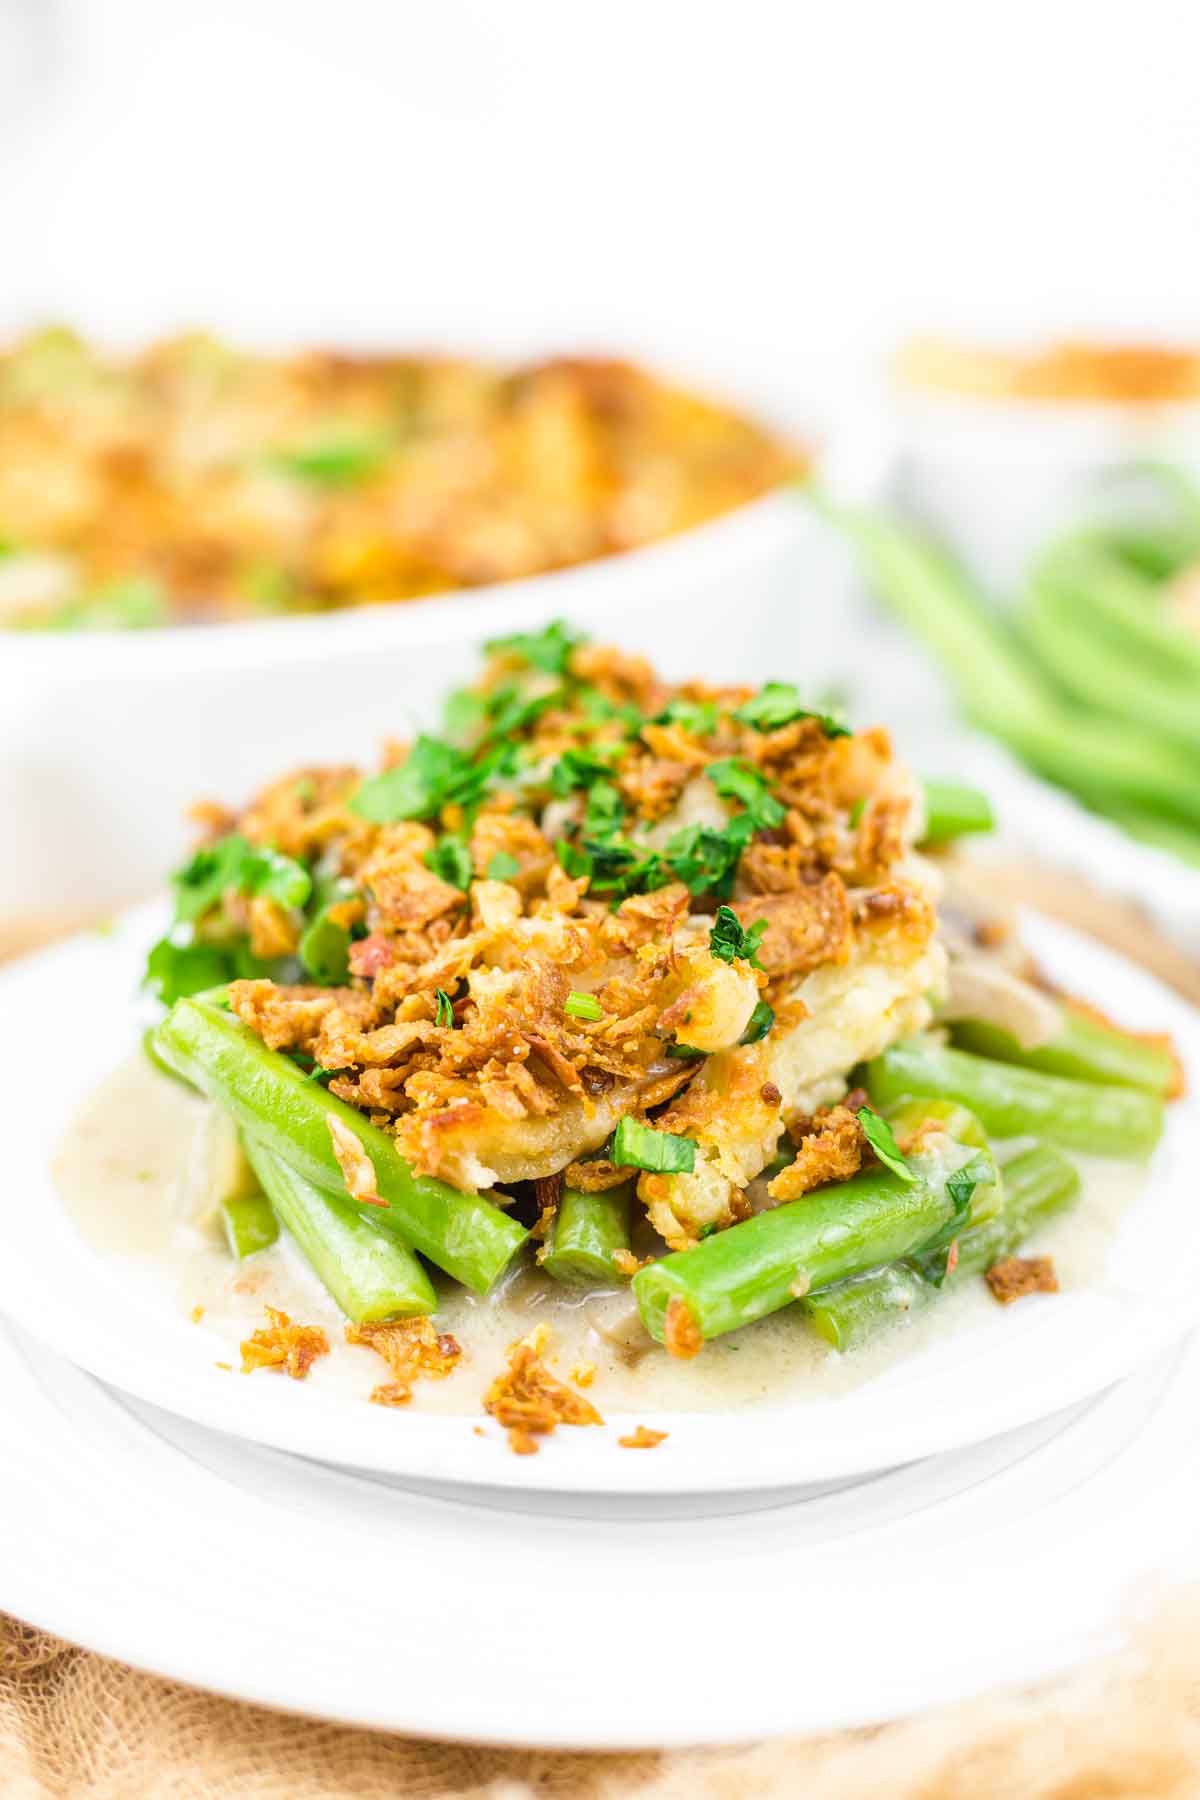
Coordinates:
<point>587,1230</point>
<point>275,1103</point>
<point>952,809</point>
<point>1005,693</point>
<point>1038,1184</point>
<point>1016,1102</point>
<point>1125,608</point>
<point>959,1123</point>
<point>370,1274</point>
<point>250,1225</point>
<point>754,1268</point>
<point>1102,674</point>
<point>1084,1049</point>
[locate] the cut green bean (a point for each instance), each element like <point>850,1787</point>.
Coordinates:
<point>1085,1049</point>
<point>1038,1184</point>
<point>276,1104</point>
<point>754,1268</point>
<point>370,1274</point>
<point>588,1228</point>
<point>250,1225</point>
<point>1010,1101</point>
<point>952,810</point>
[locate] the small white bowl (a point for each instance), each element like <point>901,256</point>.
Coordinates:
<point>996,477</point>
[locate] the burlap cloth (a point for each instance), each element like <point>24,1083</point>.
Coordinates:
<point>72,1723</point>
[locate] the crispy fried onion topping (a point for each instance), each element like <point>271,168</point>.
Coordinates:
<point>410,1348</point>
<point>358,1171</point>
<point>530,1402</point>
<point>282,1345</point>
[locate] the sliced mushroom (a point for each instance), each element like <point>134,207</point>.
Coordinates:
<point>979,988</point>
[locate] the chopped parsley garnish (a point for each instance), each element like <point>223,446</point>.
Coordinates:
<point>598,709</point>
<point>508,711</point>
<point>548,650</point>
<point>857,810</point>
<point>334,461</point>
<point>605,812</point>
<point>638,1146</point>
<point>933,1262</point>
<point>737,780</point>
<point>579,769</point>
<point>697,717</point>
<point>233,864</point>
<point>729,938</point>
<point>703,859</point>
<point>444,1013</point>
<point>503,867</point>
<point>450,860</point>
<point>434,775</point>
<point>878,1134</point>
<point>173,971</point>
<point>325,950</point>
<point>686,1053</point>
<point>778,703</point>
<point>760,1022</point>
<point>583,1006</point>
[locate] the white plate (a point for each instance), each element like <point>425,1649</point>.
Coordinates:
<point>1018,1365</point>
<point>299,1586</point>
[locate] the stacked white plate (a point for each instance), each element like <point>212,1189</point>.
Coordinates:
<point>986,1511</point>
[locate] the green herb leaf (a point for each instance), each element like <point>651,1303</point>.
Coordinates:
<point>548,650</point>
<point>737,780</point>
<point>706,860</point>
<point>450,860</point>
<point>605,812</point>
<point>325,951</point>
<point>699,717</point>
<point>729,938</point>
<point>878,1134</point>
<point>933,1261</point>
<point>503,867</point>
<point>685,1053</point>
<point>583,1006</point>
<point>233,865</point>
<point>579,769</point>
<point>638,1146</point>
<point>444,1014</point>
<point>435,774</point>
<point>173,971</point>
<point>333,461</point>
<point>778,703</point>
<point>760,1022</point>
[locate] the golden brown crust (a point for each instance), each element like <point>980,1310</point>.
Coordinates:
<point>410,1348</point>
<point>1019,1275</point>
<point>283,1345</point>
<point>681,1334</point>
<point>199,467</point>
<point>832,1150</point>
<point>530,1402</point>
<point>643,1438</point>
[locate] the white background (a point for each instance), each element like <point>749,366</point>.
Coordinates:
<point>775,190</point>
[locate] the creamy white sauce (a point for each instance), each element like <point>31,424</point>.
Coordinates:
<point>137,1167</point>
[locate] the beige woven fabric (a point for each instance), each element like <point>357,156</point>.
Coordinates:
<point>73,1724</point>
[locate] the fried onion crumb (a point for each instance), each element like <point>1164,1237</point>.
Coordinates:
<point>410,1348</point>
<point>282,1345</point>
<point>530,1402</point>
<point>1015,1276</point>
<point>681,1334</point>
<point>583,1374</point>
<point>642,1438</point>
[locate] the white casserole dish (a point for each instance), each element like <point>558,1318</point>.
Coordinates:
<point>106,738</point>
